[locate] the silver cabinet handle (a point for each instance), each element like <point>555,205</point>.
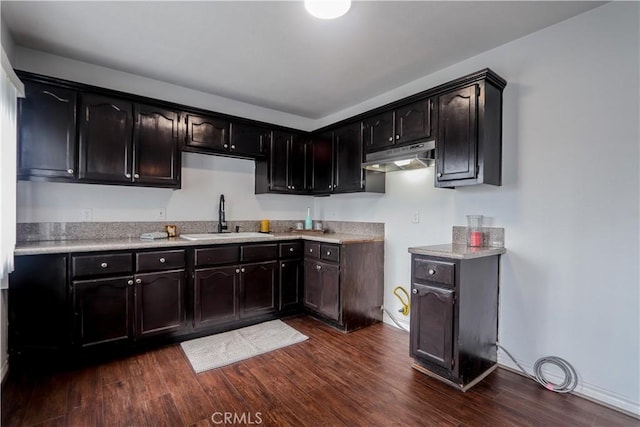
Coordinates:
<point>226,145</point>
<point>130,282</point>
<point>242,269</point>
<point>128,175</point>
<point>233,147</point>
<point>283,265</point>
<point>439,174</point>
<point>318,267</point>
<point>432,271</point>
<point>329,185</point>
<point>310,250</point>
<point>138,281</point>
<point>414,291</point>
<point>328,253</point>
<point>69,170</point>
<point>162,260</point>
<point>237,270</point>
<point>391,139</point>
<point>104,265</point>
<point>290,249</point>
<point>136,176</point>
<point>397,136</point>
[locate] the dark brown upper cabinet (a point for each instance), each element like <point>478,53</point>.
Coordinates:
<point>206,133</point>
<point>403,125</point>
<point>285,168</point>
<point>106,132</point>
<point>47,133</point>
<point>321,163</point>
<point>249,140</point>
<point>469,136</point>
<point>124,143</point>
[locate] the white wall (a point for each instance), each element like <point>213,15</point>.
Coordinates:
<point>569,200</point>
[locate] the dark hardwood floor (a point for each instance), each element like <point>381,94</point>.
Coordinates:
<point>359,379</point>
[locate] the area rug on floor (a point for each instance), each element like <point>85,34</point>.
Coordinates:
<point>229,347</point>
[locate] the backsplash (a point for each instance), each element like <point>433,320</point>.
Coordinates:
<point>491,236</point>
<point>41,231</point>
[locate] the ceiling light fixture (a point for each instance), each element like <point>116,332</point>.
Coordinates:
<point>327,9</point>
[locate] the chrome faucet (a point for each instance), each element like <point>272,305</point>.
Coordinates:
<point>222,223</point>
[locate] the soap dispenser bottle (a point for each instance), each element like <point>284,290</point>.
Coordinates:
<point>308,224</point>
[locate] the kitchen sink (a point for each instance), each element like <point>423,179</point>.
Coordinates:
<point>220,236</point>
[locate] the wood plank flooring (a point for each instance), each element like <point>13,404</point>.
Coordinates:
<point>359,379</point>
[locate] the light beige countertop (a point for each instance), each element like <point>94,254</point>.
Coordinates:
<point>456,251</point>
<point>93,245</point>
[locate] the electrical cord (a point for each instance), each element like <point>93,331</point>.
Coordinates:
<point>394,319</point>
<point>570,377</point>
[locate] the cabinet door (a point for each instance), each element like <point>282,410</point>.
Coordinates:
<point>249,140</point>
<point>297,164</point>
<point>207,132</point>
<point>159,301</point>
<point>105,151</point>
<point>216,295</point>
<point>279,162</point>
<point>291,280</point>
<point>377,132</point>
<point>322,288</point>
<point>432,324</point>
<point>413,122</point>
<point>103,310</point>
<point>457,141</point>
<point>348,153</point>
<point>258,291</point>
<point>47,132</point>
<point>156,148</point>
<point>38,303</point>
<point>321,163</point>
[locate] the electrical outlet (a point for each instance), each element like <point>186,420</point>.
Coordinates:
<point>161,214</point>
<point>415,218</point>
<point>87,214</point>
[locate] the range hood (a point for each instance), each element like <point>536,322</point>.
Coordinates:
<point>415,156</point>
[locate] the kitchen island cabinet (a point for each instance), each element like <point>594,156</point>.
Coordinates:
<point>454,314</point>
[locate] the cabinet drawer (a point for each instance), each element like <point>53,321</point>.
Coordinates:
<point>291,250</point>
<point>330,252</point>
<point>265,252</point>
<point>311,250</point>
<point>217,255</point>
<point>101,264</point>
<point>160,260</point>
<point>433,271</point>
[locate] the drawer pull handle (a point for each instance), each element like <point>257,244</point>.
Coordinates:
<point>290,249</point>
<point>104,265</point>
<point>130,282</point>
<point>318,267</point>
<point>432,271</point>
<point>162,260</point>
<point>310,250</point>
<point>283,265</point>
<point>414,291</point>
<point>242,269</point>
<point>138,281</point>
<point>70,171</point>
<point>237,270</point>
<point>329,253</point>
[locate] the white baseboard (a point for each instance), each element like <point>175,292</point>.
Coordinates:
<point>585,390</point>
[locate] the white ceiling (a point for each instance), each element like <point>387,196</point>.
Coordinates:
<point>273,54</point>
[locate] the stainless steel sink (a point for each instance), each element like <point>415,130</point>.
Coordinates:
<point>222,236</point>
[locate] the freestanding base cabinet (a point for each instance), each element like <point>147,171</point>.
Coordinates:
<point>454,315</point>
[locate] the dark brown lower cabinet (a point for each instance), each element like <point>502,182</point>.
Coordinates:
<point>322,288</point>
<point>159,299</point>
<point>291,284</point>
<point>454,317</point>
<point>258,289</point>
<point>216,295</point>
<point>103,310</point>
<point>38,306</point>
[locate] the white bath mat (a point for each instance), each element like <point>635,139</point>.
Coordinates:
<point>229,347</point>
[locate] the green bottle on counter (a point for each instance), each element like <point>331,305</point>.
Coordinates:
<point>308,224</point>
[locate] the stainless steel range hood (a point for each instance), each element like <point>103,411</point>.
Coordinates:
<point>415,156</point>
